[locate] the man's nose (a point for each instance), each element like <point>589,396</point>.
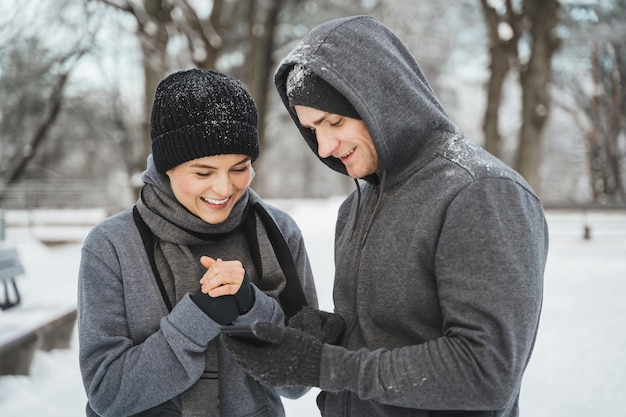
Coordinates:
<point>326,144</point>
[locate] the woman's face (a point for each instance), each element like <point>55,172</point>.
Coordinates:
<point>210,186</point>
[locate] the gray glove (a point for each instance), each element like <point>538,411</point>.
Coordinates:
<point>291,357</point>
<point>327,327</point>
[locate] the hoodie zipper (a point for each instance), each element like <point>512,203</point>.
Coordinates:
<point>357,259</point>
<point>372,217</point>
<point>357,262</point>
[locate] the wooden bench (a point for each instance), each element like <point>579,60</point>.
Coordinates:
<point>26,329</point>
<point>23,332</point>
<point>10,268</point>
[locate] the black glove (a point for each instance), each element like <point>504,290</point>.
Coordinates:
<point>291,357</point>
<point>226,308</point>
<point>327,327</point>
<point>245,295</point>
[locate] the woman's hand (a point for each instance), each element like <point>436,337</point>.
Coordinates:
<point>225,290</point>
<point>222,277</point>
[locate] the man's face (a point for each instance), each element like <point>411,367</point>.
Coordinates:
<point>343,138</point>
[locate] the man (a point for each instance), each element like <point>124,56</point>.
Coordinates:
<point>440,253</point>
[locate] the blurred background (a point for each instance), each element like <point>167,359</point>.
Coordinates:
<point>539,83</point>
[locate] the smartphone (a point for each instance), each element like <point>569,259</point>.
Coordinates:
<point>244,333</point>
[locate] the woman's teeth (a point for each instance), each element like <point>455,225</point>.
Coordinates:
<point>213,201</point>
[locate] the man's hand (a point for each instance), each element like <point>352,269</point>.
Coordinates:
<point>291,357</point>
<point>327,327</point>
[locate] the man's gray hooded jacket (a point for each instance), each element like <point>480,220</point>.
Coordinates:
<point>439,258</point>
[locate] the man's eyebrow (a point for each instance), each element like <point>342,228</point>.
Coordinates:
<point>316,121</point>
<point>320,119</point>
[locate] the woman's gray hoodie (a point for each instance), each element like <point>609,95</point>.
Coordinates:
<point>439,258</point>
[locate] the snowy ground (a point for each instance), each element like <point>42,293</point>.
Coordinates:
<point>578,367</point>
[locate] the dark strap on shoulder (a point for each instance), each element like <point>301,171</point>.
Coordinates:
<point>292,297</point>
<point>149,241</point>
<point>249,226</point>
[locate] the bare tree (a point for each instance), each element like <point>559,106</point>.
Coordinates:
<point>54,102</point>
<point>599,115</point>
<point>535,23</point>
<point>608,123</point>
<point>240,27</point>
<point>594,95</point>
<point>504,33</point>
<point>535,78</point>
<point>33,88</point>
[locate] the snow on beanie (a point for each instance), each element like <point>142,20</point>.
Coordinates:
<point>305,88</point>
<point>198,113</point>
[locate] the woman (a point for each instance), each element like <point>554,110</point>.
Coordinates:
<point>158,281</point>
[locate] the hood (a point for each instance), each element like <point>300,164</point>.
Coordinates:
<point>374,70</point>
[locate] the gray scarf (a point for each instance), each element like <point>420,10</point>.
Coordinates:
<point>182,238</point>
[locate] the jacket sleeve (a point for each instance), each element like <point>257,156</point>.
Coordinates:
<point>132,358</point>
<point>488,266</point>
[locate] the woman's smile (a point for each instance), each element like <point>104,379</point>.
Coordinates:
<point>214,202</point>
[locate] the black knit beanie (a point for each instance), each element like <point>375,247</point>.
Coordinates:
<point>305,88</point>
<point>198,113</point>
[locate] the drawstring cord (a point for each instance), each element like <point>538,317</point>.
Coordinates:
<point>358,207</point>
<point>379,198</point>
